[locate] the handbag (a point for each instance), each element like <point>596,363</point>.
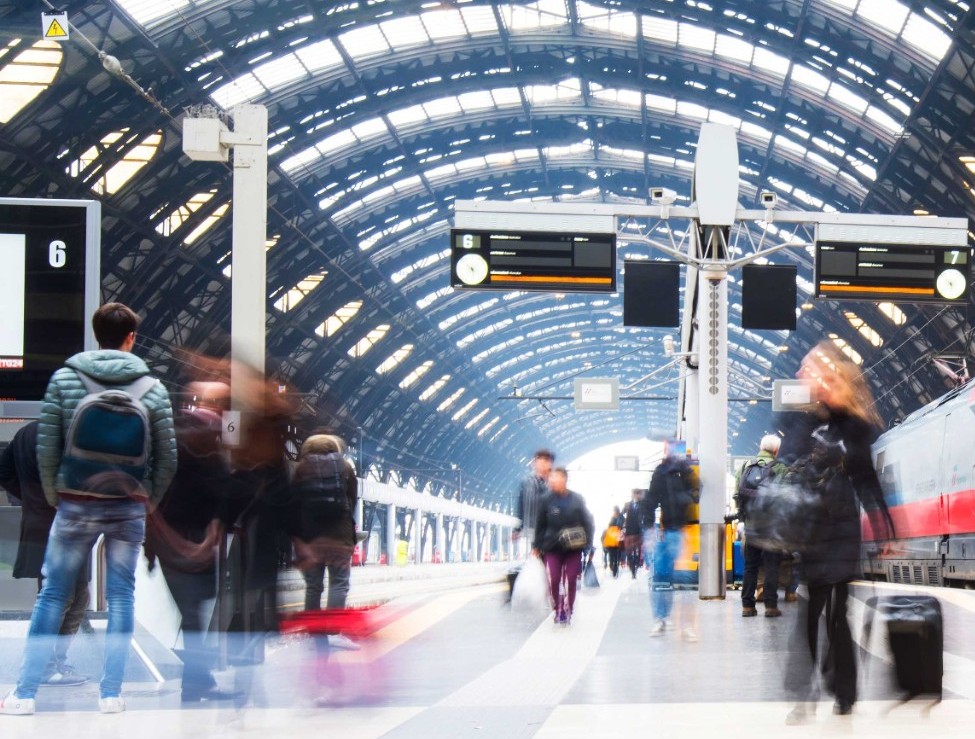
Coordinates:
<point>589,577</point>
<point>573,538</point>
<point>789,510</point>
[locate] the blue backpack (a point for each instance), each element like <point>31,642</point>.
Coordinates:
<point>106,451</point>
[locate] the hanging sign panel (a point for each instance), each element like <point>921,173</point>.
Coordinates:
<point>54,26</point>
<point>525,260</point>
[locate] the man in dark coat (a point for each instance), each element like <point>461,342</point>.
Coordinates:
<point>20,477</point>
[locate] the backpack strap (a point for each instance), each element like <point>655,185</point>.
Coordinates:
<point>136,389</point>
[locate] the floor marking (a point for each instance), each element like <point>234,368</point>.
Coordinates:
<point>549,663</point>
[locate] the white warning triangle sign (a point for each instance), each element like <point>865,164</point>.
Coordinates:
<point>54,26</point>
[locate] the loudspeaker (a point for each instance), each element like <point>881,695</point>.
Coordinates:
<point>651,294</point>
<point>768,297</point>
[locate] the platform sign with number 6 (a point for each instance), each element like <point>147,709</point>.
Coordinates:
<point>49,288</point>
<point>231,428</point>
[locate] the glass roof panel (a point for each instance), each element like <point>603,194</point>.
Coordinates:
<point>926,37</point>
<point>337,320</point>
<point>660,29</point>
<point>734,48</point>
<point>290,298</point>
<point>279,72</point>
<point>476,419</point>
<point>541,14</point>
<point>488,426</point>
<point>135,158</point>
<point>435,388</point>
<point>369,340</point>
<point>479,20</point>
<point>614,21</point>
<point>806,77</point>
<point>846,97</point>
<point>364,41</point>
<point>150,12</point>
<point>27,75</point>
<point>319,56</point>
<point>245,88</point>
<point>696,37</point>
<point>449,400</point>
<point>462,411</point>
<point>444,24</point>
<point>209,222</point>
<point>395,359</point>
<point>888,14</point>
<point>893,313</point>
<point>179,216</point>
<point>405,31</point>
<point>414,377</point>
<point>427,300</point>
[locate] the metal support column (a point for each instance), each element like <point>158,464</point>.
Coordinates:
<point>391,534</point>
<point>713,447</point>
<point>440,539</point>
<point>248,320</point>
<point>418,523</point>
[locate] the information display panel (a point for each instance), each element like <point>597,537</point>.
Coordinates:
<point>49,287</point>
<point>524,260</point>
<point>892,272</point>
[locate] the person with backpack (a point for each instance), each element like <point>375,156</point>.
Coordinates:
<point>673,489</point>
<point>324,495</point>
<point>751,475</point>
<point>106,451</point>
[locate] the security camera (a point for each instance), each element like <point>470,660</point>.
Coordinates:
<point>662,196</point>
<point>769,199</point>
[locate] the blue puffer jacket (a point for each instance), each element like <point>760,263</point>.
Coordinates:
<point>65,391</point>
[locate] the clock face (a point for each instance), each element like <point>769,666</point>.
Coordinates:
<point>951,284</point>
<point>472,269</point>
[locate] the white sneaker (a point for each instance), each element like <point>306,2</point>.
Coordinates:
<point>340,641</point>
<point>690,635</point>
<point>114,704</point>
<point>11,705</point>
<point>658,628</point>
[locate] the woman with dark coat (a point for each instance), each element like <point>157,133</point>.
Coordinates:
<point>836,438</point>
<point>559,511</point>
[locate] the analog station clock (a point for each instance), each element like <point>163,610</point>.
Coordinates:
<point>951,284</point>
<point>472,269</point>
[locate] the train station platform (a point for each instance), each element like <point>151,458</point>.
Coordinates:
<point>458,662</point>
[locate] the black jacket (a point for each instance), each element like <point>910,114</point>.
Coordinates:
<point>20,477</point>
<point>843,441</point>
<point>634,518</point>
<point>530,491</point>
<point>312,521</point>
<point>671,489</point>
<point>557,512</point>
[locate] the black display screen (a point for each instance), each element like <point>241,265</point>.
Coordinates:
<point>43,254</point>
<point>555,262</point>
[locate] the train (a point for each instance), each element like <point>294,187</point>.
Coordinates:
<point>926,466</point>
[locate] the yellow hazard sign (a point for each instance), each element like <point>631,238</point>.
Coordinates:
<point>54,26</point>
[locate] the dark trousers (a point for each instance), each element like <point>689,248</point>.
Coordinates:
<point>337,560</point>
<point>755,558</point>
<point>74,615</point>
<point>634,546</point>
<point>191,590</point>
<point>614,560</point>
<point>838,664</point>
<point>563,567</point>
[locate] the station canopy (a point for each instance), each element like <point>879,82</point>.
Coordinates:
<point>382,114</point>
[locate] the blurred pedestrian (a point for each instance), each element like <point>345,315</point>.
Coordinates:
<point>835,438</point>
<point>563,531</point>
<point>21,478</point>
<point>633,531</point>
<point>613,540</point>
<point>530,491</point>
<point>673,490</point>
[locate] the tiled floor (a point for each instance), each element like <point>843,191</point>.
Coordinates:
<point>461,664</point>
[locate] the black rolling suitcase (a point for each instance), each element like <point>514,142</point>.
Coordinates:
<point>916,636</point>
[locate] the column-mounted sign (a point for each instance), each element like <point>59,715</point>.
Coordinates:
<point>54,26</point>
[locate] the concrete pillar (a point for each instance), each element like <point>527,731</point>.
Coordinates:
<point>390,534</point>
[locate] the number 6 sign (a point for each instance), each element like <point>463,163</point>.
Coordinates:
<point>231,428</point>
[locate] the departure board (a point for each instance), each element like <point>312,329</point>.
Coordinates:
<point>551,262</point>
<point>892,272</point>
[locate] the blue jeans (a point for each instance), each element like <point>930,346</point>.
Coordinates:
<point>74,532</point>
<point>662,574</point>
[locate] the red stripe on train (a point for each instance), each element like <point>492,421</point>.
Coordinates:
<point>947,514</point>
